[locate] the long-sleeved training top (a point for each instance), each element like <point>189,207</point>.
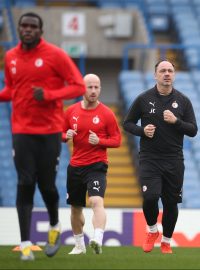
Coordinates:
<point>167,141</point>
<point>101,121</point>
<point>45,66</point>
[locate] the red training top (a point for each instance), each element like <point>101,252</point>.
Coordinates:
<point>45,66</point>
<point>100,120</point>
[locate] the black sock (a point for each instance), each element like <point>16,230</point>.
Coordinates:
<point>169,218</point>
<point>151,211</point>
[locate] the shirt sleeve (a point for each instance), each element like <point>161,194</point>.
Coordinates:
<point>6,92</point>
<point>187,125</point>
<point>66,125</point>
<point>74,86</point>
<point>131,119</point>
<point>113,139</point>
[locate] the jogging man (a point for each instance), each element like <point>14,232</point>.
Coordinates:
<point>166,116</point>
<point>38,75</point>
<point>93,128</point>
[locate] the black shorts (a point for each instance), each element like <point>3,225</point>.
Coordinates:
<point>36,158</point>
<point>91,178</point>
<point>162,178</point>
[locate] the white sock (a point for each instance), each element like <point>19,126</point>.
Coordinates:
<point>79,240</point>
<point>98,235</point>
<point>165,239</point>
<point>25,244</point>
<point>153,228</point>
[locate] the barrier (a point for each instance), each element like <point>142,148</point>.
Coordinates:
<point>161,47</point>
<point>124,227</point>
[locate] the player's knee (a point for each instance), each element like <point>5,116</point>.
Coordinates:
<point>25,194</point>
<point>96,201</point>
<point>148,198</point>
<point>50,196</point>
<point>169,204</point>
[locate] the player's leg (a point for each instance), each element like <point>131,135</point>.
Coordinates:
<point>172,195</point>
<point>48,158</point>
<point>77,223</point>
<point>24,151</point>
<point>151,186</point>
<point>96,179</point>
<point>76,197</point>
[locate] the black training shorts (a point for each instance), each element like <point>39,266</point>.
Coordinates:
<point>91,178</point>
<point>162,178</point>
<point>36,158</point>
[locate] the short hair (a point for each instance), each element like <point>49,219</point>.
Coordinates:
<point>34,15</point>
<point>160,61</point>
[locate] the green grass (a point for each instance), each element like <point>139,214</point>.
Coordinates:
<point>112,258</point>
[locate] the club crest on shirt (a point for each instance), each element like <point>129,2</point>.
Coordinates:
<point>38,62</point>
<point>175,105</point>
<point>96,120</point>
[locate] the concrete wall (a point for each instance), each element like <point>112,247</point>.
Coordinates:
<point>98,45</point>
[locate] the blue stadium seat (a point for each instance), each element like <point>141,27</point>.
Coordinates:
<point>192,201</point>
<point>179,2</point>
<point>25,3</point>
<point>1,19</point>
<point>130,75</point>
<point>110,4</point>
<point>134,4</point>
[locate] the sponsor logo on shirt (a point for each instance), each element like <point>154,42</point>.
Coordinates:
<point>97,187</point>
<point>13,62</point>
<point>152,110</point>
<point>152,103</point>
<point>75,118</point>
<point>75,126</point>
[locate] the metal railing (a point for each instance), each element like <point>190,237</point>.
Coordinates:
<point>161,47</point>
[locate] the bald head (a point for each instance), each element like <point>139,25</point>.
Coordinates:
<point>91,78</point>
<point>93,89</point>
<point>163,63</point>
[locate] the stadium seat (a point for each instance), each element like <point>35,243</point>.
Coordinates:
<point>127,75</point>
<point>25,3</point>
<point>110,4</point>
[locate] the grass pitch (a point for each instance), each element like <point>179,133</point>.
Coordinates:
<point>112,258</point>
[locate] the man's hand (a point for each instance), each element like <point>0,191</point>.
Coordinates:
<point>93,138</point>
<point>70,134</point>
<point>38,93</point>
<point>149,130</point>
<point>169,117</point>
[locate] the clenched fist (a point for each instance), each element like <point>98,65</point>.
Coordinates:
<point>149,130</point>
<point>169,117</point>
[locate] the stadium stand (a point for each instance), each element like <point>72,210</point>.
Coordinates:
<point>158,16</point>
<point>8,174</point>
<point>24,3</point>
